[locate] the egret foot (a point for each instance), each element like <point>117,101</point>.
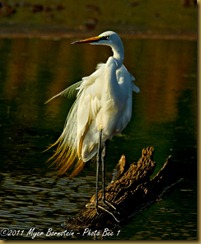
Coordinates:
<point>92,205</point>
<point>105,202</point>
<point>109,212</point>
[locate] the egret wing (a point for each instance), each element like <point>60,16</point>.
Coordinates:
<point>69,92</point>
<point>135,88</point>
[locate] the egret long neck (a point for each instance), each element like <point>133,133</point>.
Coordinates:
<point>118,53</point>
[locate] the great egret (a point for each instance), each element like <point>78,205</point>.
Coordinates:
<point>103,108</point>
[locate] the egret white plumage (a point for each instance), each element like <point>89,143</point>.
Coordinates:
<point>102,108</point>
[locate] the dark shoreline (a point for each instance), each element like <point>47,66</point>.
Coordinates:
<point>63,34</point>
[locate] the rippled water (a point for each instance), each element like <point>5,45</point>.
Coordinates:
<point>164,116</point>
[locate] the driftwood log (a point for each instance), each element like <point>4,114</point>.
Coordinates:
<point>130,192</point>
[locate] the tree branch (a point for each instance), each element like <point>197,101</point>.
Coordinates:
<point>130,191</point>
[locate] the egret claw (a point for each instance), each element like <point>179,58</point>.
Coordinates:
<point>107,211</point>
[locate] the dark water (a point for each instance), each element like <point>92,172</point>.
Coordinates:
<point>164,116</point>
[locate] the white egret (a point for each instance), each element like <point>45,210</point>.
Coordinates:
<point>103,108</point>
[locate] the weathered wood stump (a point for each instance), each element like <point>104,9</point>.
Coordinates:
<point>130,193</point>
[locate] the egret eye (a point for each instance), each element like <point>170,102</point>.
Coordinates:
<point>105,37</point>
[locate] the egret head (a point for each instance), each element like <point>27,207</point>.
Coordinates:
<point>107,38</point>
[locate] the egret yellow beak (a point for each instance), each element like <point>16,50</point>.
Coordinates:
<point>87,40</point>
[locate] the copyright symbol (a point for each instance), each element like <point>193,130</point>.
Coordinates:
<point>4,232</point>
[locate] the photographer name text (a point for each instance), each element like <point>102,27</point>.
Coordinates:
<point>33,233</point>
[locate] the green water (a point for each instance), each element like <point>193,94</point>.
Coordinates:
<point>164,116</point>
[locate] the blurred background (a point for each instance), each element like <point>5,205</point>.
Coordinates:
<point>127,16</point>
<point>37,61</point>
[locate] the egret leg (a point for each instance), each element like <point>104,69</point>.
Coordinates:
<point>97,176</point>
<point>98,159</point>
<point>103,172</point>
<point>103,179</point>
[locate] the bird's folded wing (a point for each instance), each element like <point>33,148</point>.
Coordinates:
<point>136,88</point>
<point>70,92</point>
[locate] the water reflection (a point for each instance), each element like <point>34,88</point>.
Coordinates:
<point>164,115</point>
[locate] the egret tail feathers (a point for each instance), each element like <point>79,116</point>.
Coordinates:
<point>80,146</point>
<point>64,159</point>
<point>78,167</point>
